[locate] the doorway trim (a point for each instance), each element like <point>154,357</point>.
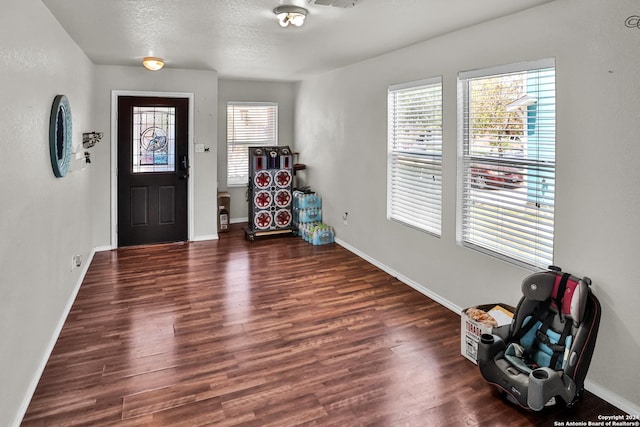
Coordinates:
<point>114,157</point>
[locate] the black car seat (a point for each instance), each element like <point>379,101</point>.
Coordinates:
<point>548,349</point>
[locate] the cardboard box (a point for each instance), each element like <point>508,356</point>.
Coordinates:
<point>471,330</point>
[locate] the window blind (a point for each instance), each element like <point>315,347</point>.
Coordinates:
<point>414,164</point>
<point>508,163</point>
<point>248,124</point>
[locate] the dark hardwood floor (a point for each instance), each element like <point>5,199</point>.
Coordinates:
<point>270,333</point>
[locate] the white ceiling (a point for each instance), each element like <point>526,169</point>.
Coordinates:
<point>242,39</point>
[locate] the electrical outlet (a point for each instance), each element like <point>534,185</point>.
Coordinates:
<point>345,218</point>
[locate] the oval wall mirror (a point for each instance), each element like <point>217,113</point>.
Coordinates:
<point>60,136</point>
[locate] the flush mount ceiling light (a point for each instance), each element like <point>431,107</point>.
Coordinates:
<point>293,15</point>
<point>152,63</point>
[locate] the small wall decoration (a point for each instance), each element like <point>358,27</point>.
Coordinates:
<point>89,139</point>
<point>633,22</point>
<point>60,136</point>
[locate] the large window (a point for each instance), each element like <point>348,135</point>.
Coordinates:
<point>508,161</point>
<point>414,164</point>
<point>248,124</point>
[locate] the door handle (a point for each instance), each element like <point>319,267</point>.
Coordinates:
<point>184,168</point>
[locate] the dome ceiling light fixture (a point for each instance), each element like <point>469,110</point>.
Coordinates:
<point>293,15</point>
<point>152,63</point>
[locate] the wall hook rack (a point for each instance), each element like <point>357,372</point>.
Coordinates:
<point>89,139</point>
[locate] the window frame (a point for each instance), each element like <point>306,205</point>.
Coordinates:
<point>535,218</point>
<point>415,204</point>
<point>241,180</point>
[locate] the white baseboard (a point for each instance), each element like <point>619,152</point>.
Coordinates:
<point>205,237</point>
<point>238,220</point>
<point>52,342</point>
<point>602,392</point>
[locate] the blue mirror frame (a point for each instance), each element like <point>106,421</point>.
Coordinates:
<point>60,136</point>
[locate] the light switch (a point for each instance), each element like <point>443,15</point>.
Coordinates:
<point>199,148</point>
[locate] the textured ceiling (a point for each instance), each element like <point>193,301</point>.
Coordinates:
<point>242,39</point>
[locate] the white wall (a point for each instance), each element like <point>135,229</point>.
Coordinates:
<point>341,133</point>
<point>44,220</point>
<point>258,91</point>
<point>204,86</point>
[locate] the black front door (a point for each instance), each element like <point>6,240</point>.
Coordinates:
<point>153,170</point>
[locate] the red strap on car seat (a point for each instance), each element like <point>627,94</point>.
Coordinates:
<point>562,293</point>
